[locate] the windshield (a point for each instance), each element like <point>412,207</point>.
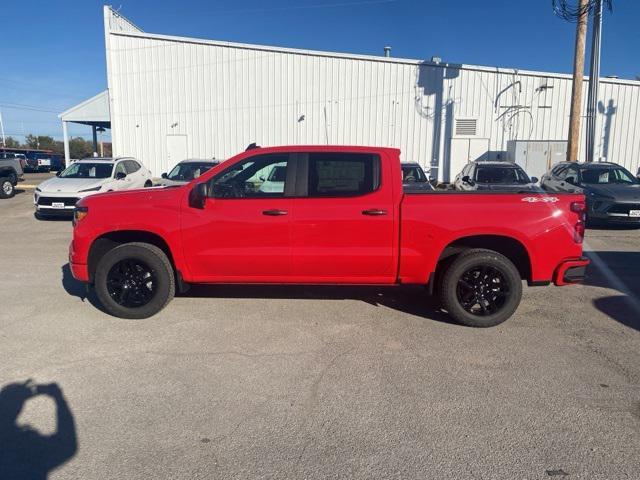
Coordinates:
<point>413,173</point>
<point>599,176</point>
<point>185,172</point>
<point>88,170</point>
<point>497,174</point>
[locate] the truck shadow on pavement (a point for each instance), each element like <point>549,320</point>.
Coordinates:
<point>617,270</point>
<point>25,453</point>
<point>411,300</point>
<point>406,299</point>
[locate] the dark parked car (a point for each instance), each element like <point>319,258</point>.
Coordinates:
<point>612,192</point>
<point>414,178</point>
<point>500,176</point>
<point>187,170</point>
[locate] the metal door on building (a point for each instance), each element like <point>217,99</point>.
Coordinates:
<point>176,150</point>
<point>465,150</point>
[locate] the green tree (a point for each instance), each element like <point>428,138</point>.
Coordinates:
<point>11,142</point>
<point>40,142</point>
<point>80,148</point>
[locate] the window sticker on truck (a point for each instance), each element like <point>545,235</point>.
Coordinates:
<point>540,199</point>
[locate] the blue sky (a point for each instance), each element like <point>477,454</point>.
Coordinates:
<point>53,52</point>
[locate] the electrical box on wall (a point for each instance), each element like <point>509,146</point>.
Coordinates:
<point>536,156</point>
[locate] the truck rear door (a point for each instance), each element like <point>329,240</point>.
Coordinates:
<point>344,219</point>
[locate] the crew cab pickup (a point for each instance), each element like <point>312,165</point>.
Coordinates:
<point>339,217</point>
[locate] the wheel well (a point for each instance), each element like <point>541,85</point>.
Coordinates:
<point>507,246</point>
<point>110,240</point>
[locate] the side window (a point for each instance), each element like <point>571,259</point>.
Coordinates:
<point>131,166</point>
<point>560,172</point>
<point>120,168</point>
<point>571,175</point>
<point>343,174</point>
<point>261,176</point>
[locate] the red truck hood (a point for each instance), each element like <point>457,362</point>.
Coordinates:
<point>131,197</point>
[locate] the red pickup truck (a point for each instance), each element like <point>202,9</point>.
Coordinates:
<point>325,215</point>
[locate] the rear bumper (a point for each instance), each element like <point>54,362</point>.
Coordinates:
<point>571,271</point>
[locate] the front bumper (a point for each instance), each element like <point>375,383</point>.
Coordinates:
<point>612,211</point>
<point>80,271</point>
<point>571,271</point>
<point>57,204</point>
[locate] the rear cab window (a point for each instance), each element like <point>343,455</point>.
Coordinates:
<point>342,174</point>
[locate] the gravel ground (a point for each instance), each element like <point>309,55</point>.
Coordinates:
<point>293,382</point>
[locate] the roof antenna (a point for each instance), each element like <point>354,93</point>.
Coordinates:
<point>251,146</point>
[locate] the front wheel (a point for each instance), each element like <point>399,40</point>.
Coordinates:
<point>481,288</point>
<point>134,280</point>
<point>6,188</point>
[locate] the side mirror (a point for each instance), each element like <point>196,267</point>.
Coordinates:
<point>466,179</point>
<point>120,175</point>
<point>198,195</point>
<point>58,173</point>
<point>164,175</point>
<point>534,179</point>
<point>261,178</point>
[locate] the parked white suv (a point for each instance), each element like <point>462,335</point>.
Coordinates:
<point>58,195</point>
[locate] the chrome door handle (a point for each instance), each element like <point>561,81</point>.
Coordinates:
<point>274,212</point>
<point>375,212</point>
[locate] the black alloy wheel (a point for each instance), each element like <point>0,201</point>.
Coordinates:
<point>134,280</point>
<point>483,290</point>
<point>480,288</point>
<point>131,283</point>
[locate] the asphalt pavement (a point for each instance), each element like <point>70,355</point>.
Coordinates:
<point>308,382</point>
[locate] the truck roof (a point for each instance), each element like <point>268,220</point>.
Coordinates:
<point>323,148</point>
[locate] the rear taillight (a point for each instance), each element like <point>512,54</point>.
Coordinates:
<point>581,209</point>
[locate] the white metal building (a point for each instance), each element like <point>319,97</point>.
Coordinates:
<point>174,97</point>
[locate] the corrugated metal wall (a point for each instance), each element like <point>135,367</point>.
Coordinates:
<point>225,96</point>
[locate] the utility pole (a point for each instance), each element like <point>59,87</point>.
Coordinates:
<point>4,140</point>
<point>573,148</point>
<point>594,81</point>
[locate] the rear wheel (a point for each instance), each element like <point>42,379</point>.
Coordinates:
<point>481,288</point>
<point>6,188</point>
<point>134,280</point>
<point>148,184</point>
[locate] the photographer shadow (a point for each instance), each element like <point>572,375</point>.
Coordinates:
<point>25,453</point>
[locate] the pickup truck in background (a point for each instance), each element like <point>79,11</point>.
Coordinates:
<point>340,216</point>
<point>11,172</point>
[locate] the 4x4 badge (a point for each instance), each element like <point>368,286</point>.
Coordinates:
<point>540,199</point>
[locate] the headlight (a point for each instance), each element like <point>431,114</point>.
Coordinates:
<point>79,213</point>
<point>94,189</point>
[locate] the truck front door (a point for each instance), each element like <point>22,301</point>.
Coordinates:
<point>243,233</point>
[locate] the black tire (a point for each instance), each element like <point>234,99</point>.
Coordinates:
<point>148,184</point>
<point>481,288</point>
<point>148,289</point>
<point>6,188</point>
<point>14,178</point>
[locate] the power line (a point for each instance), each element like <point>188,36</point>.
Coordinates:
<point>34,108</point>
